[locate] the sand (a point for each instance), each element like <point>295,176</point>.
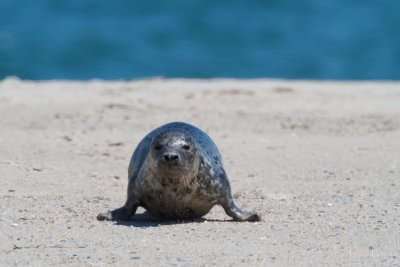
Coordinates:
<point>319,160</point>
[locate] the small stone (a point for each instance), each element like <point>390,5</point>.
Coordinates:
<point>184,259</point>
<point>116,144</point>
<point>67,138</point>
<point>243,244</point>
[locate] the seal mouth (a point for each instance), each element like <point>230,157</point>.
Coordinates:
<point>173,165</point>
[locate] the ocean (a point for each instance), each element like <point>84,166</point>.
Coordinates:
<point>126,39</point>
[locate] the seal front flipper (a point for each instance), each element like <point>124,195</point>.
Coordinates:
<point>226,201</point>
<point>234,211</point>
<point>122,214</point>
<point>239,215</point>
<point>125,212</point>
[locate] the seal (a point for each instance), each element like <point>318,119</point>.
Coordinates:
<point>176,172</point>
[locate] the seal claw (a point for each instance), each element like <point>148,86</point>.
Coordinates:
<point>105,216</point>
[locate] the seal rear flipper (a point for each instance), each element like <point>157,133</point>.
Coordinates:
<point>122,214</point>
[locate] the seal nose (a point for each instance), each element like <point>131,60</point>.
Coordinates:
<point>171,156</point>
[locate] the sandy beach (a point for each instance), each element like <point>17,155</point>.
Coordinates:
<point>320,161</point>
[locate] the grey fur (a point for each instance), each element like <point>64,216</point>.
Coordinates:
<point>176,172</point>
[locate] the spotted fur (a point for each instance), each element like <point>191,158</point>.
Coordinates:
<point>176,172</point>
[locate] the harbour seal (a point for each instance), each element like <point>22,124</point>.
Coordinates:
<point>176,172</point>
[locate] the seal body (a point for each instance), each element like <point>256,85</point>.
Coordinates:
<point>176,172</point>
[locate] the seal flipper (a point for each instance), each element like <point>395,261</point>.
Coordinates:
<point>239,215</point>
<point>122,214</point>
<point>125,212</point>
<point>234,211</point>
<point>226,201</point>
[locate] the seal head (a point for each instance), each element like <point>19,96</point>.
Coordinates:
<point>172,153</point>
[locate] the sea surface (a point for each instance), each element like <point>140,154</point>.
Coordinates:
<point>127,39</point>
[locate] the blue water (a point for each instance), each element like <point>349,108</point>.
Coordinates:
<point>327,39</point>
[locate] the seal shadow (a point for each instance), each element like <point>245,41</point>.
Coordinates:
<point>144,220</point>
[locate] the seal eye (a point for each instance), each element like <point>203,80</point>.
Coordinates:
<point>158,147</point>
<point>186,147</point>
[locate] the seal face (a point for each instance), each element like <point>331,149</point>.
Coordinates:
<point>176,172</point>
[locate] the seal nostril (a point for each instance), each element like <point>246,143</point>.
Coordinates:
<point>171,157</point>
